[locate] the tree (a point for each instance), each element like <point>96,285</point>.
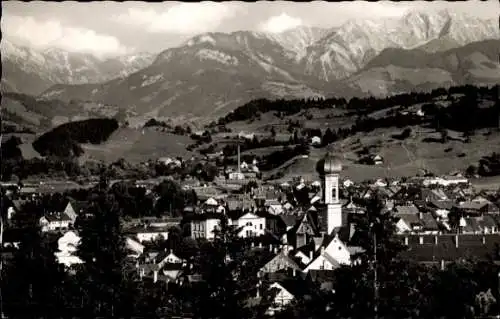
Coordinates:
<point>328,137</point>
<point>226,285</point>
<point>105,283</point>
<point>273,132</point>
<point>33,283</point>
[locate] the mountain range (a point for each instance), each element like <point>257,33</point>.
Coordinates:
<point>31,71</point>
<point>212,73</point>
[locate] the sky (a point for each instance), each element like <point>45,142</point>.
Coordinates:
<point>108,28</point>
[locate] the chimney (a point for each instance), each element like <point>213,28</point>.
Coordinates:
<point>406,240</point>
<point>155,275</point>
<point>435,239</point>
<point>421,240</point>
<point>442,264</point>
<point>310,255</point>
<point>322,250</point>
<point>456,241</point>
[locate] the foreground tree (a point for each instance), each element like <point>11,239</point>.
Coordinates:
<point>104,279</point>
<point>33,283</point>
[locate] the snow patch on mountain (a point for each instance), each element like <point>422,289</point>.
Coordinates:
<point>152,79</point>
<point>221,57</point>
<point>202,39</point>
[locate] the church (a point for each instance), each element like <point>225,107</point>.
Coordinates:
<point>322,234</point>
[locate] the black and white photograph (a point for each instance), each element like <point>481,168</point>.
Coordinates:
<point>247,160</point>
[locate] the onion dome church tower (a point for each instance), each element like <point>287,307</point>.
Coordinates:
<point>329,169</point>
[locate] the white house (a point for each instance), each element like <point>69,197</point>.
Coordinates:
<point>204,226</point>
<point>282,298</point>
<point>68,246</point>
<point>170,258</point>
<point>236,176</point>
<point>148,233</point>
<point>336,253</point>
<point>380,183</point>
<point>348,183</point>
<point>316,140</point>
<point>378,160</point>
<point>445,181</point>
<point>274,207</point>
<point>250,225</point>
<point>134,246</point>
<point>55,221</point>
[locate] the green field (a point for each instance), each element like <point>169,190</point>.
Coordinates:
<point>407,158</point>
<point>137,146</point>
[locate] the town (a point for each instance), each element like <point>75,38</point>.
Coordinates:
<point>250,160</point>
<point>298,235</point>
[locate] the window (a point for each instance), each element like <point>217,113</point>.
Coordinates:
<point>261,226</point>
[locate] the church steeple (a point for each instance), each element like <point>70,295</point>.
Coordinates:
<point>329,169</point>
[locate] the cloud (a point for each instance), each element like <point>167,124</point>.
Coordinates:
<point>280,23</point>
<point>184,18</point>
<point>51,34</point>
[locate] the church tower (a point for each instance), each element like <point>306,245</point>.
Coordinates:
<point>329,169</point>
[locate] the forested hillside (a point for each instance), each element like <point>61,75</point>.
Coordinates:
<point>64,140</point>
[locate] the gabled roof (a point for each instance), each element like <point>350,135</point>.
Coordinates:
<point>57,217</point>
<point>289,220</point>
<point>428,222</point>
<point>406,209</point>
<point>78,206</point>
<point>446,204</point>
<point>486,221</point>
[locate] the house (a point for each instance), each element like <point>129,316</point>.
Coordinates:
<point>331,257</point>
<point>378,160</point>
<point>316,140</point>
<point>203,226</point>
<point>55,221</point>
<point>134,246</point>
<point>440,208</point>
<point>380,183</point>
<point>246,136</point>
<point>445,181</point>
<point>274,207</point>
<point>433,194</point>
<point>236,176</point>
<point>68,246</point>
<point>148,233</point>
<point>421,223</point>
<point>305,230</point>
<point>248,224</point>
<point>281,298</point>
<point>348,183</point>
<point>74,208</point>
<point>281,261</point>
<point>477,207</point>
